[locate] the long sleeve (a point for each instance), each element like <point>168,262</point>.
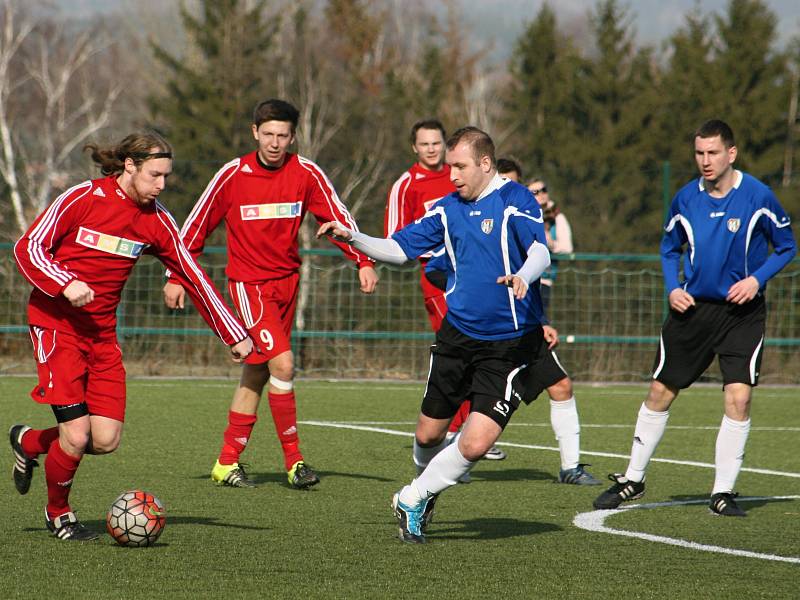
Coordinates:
<point>671,244</point>
<point>396,216</point>
<point>325,205</point>
<point>34,251</point>
<point>778,230</point>
<point>184,269</point>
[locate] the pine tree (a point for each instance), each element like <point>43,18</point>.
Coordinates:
<point>211,91</point>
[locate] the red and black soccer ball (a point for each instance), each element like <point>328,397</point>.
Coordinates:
<point>136,519</point>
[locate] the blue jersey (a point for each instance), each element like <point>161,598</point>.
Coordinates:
<point>727,238</point>
<point>483,239</point>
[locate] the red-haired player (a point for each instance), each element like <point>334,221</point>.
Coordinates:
<point>78,254</point>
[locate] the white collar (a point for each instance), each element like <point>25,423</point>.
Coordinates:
<point>495,183</point>
<point>737,181</point>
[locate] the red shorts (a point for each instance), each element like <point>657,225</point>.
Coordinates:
<point>435,303</point>
<point>267,311</point>
<point>74,369</point>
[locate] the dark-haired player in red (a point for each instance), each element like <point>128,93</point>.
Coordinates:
<point>78,254</point>
<point>263,197</point>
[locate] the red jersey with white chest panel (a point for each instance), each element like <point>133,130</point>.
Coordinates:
<point>413,194</point>
<point>95,233</point>
<point>263,209</point>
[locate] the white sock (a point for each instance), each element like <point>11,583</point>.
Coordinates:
<point>650,427</point>
<point>422,456</point>
<point>731,440</point>
<point>564,419</point>
<point>441,473</point>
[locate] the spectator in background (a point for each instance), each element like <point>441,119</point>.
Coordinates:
<point>558,231</point>
<point>510,169</point>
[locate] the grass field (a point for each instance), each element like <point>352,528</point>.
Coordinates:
<point>509,534</point>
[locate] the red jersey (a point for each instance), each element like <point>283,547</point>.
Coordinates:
<point>263,210</point>
<point>413,194</point>
<point>95,233</point>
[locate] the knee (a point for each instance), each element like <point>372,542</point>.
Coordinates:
<point>561,390</point>
<point>429,439</point>
<point>105,444</point>
<point>472,448</point>
<point>660,396</point>
<point>74,440</point>
<point>282,367</point>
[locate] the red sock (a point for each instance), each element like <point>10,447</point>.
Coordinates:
<point>460,417</point>
<point>37,441</point>
<point>284,414</point>
<point>234,440</point>
<point>59,470</point>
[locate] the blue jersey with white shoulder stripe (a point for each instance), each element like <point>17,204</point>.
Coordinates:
<point>484,239</point>
<point>727,239</point>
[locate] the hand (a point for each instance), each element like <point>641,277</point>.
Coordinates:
<point>680,300</point>
<point>519,285</point>
<point>335,230</point>
<point>78,293</point>
<point>743,291</point>
<point>241,350</point>
<point>550,336</point>
<point>174,295</point>
<point>368,279</point>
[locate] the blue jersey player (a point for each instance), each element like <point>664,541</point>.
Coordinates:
<point>723,223</point>
<point>493,233</point>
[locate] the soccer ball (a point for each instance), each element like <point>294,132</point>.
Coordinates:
<point>135,519</point>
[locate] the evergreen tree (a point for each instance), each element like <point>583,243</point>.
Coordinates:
<point>616,177</point>
<point>753,83</point>
<point>211,90</point>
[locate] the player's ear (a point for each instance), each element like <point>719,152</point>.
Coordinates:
<point>255,131</point>
<point>130,166</point>
<point>732,152</point>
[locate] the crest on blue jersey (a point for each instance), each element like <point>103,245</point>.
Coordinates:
<point>734,224</point>
<point>487,225</point>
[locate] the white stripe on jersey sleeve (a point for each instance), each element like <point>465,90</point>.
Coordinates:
<point>208,196</point>
<point>397,193</point>
<point>45,228</point>
<point>687,227</point>
<point>217,307</point>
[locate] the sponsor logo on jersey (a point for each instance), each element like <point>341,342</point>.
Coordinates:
<point>280,210</point>
<point>714,215</point>
<point>98,192</point>
<point>487,225</point>
<point>246,169</point>
<point>734,224</point>
<point>110,243</point>
<point>474,213</point>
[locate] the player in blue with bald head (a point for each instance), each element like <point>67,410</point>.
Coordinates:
<point>493,233</point>
<point>726,220</point>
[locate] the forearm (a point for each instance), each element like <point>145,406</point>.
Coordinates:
<point>382,249</point>
<point>537,263</point>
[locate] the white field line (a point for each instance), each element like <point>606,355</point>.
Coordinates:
<point>595,521</point>
<point>689,463</point>
<point>586,425</point>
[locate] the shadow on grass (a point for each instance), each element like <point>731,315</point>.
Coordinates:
<point>173,520</point>
<point>746,504</point>
<point>495,528</point>
<point>279,477</point>
<point>479,474</point>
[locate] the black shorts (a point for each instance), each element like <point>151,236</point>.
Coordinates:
<point>483,370</point>
<point>690,340</point>
<point>544,371</point>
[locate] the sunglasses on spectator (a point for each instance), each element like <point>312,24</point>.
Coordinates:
<point>540,190</point>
